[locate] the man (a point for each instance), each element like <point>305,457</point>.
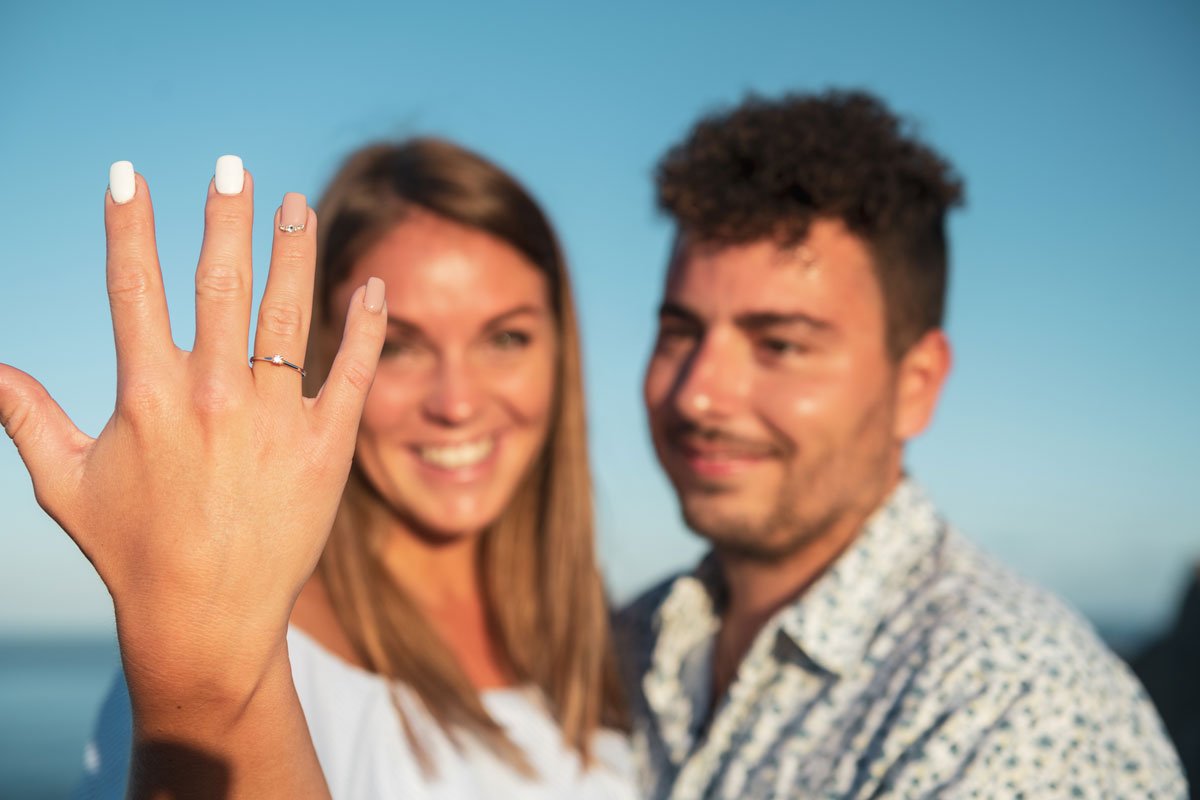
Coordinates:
<point>841,640</point>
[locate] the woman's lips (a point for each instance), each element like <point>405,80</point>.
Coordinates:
<point>457,462</point>
<point>458,454</point>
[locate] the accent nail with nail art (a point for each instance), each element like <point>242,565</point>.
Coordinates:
<point>293,214</point>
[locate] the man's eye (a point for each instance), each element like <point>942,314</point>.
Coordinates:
<point>669,336</point>
<point>782,347</point>
<point>676,332</point>
<point>510,340</point>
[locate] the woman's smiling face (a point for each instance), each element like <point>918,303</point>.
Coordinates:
<point>463,396</point>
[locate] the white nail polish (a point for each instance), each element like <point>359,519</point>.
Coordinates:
<point>230,175</point>
<point>121,184</point>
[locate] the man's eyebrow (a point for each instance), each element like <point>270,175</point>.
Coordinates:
<point>757,320</point>
<point>670,309</point>
<point>751,320</point>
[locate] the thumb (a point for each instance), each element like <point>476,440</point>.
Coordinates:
<point>49,443</point>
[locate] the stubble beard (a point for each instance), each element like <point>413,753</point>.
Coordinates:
<point>810,504</point>
<point>780,533</point>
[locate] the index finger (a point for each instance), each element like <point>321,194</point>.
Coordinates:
<point>141,326</point>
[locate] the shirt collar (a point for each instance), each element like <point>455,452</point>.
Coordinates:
<point>686,620</point>
<point>833,622</point>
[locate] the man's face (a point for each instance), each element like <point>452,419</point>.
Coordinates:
<point>771,395</point>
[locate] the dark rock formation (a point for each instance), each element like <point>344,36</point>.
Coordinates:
<point>1170,670</point>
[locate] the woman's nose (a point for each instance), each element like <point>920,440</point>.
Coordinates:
<point>453,398</point>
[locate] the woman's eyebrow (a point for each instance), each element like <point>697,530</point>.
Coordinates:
<point>526,308</point>
<point>401,325</point>
<point>406,326</point>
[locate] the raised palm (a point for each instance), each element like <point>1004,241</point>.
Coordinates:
<point>207,498</point>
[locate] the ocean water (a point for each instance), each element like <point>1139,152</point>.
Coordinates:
<point>50,691</point>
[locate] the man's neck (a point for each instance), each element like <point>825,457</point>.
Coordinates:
<point>756,589</point>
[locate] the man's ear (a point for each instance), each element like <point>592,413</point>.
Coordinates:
<point>919,379</point>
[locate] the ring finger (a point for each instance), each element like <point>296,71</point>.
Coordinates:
<point>286,309</point>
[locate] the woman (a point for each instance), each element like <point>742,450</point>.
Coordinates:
<point>453,641</point>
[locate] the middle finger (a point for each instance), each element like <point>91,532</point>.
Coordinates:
<point>223,276</point>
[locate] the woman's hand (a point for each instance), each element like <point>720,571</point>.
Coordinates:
<point>207,498</point>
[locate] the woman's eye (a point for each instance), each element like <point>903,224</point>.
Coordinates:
<point>510,340</point>
<point>396,347</point>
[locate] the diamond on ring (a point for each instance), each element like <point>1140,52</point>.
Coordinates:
<point>278,361</point>
<point>291,228</point>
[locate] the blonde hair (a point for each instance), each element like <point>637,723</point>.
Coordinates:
<point>545,599</point>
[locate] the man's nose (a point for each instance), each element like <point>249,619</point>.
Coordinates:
<point>714,382</point>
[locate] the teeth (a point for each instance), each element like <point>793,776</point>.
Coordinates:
<point>456,456</point>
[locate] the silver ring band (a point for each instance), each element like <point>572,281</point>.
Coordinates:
<point>278,361</point>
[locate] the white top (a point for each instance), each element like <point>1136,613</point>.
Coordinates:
<point>365,755</point>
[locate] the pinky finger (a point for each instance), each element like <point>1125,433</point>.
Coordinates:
<point>341,399</point>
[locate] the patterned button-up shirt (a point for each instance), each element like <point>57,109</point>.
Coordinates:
<point>913,667</point>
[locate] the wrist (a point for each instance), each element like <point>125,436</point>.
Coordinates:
<point>243,739</point>
<point>204,706</point>
<point>195,683</point>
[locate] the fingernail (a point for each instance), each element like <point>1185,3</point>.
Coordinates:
<point>373,297</point>
<point>293,214</point>
<point>230,175</point>
<point>121,184</point>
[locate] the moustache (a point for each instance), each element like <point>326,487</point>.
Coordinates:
<point>705,439</point>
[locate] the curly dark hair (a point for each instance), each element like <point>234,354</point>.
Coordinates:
<point>768,167</point>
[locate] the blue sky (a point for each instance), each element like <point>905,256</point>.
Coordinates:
<point>1067,440</point>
